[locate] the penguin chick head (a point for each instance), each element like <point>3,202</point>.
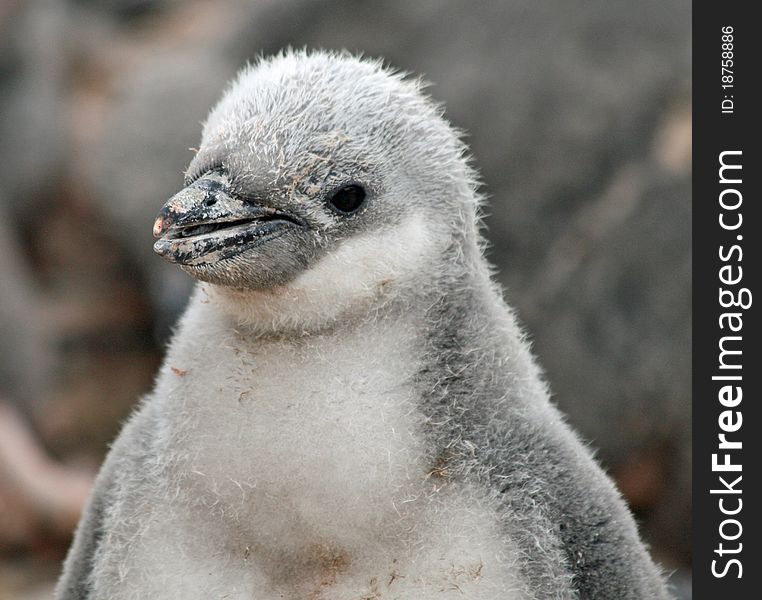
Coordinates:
<point>315,157</point>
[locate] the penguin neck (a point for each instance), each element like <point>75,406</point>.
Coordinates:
<point>367,278</point>
<point>294,312</point>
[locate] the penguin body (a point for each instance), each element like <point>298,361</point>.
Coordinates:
<point>348,409</point>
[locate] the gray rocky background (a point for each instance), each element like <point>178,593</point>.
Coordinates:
<point>578,115</point>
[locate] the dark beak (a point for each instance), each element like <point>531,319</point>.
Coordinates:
<point>207,222</point>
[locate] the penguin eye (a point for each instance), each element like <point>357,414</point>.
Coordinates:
<point>347,199</point>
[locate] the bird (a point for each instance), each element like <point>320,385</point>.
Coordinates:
<point>348,408</point>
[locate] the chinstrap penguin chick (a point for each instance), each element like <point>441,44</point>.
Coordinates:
<point>348,409</point>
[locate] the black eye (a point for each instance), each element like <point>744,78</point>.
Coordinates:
<point>347,199</point>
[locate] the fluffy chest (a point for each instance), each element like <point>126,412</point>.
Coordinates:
<point>301,470</point>
<point>311,434</point>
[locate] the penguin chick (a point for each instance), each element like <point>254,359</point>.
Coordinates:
<point>348,409</point>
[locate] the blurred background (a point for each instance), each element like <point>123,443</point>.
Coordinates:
<point>579,117</point>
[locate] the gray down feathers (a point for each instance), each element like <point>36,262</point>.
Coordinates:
<point>482,420</point>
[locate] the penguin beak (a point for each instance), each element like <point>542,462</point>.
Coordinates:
<point>207,222</point>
